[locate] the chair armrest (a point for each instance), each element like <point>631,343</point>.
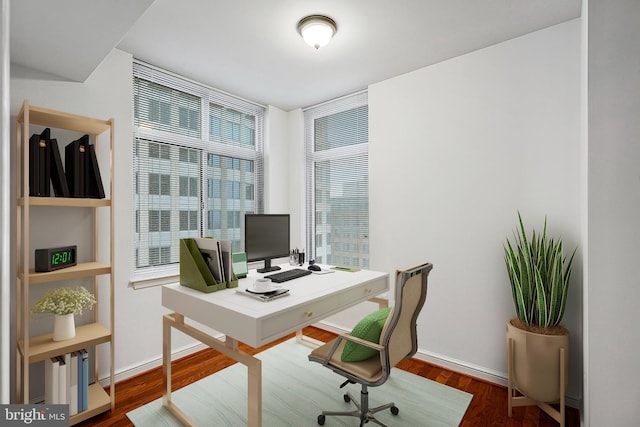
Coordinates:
<point>352,339</point>
<point>360,341</point>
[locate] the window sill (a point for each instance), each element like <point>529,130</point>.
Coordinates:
<point>143,280</point>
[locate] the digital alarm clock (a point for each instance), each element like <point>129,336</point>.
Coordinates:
<point>55,258</point>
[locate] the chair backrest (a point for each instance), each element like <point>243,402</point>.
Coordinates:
<point>399,334</point>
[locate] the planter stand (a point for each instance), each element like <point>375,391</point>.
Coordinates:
<point>515,401</point>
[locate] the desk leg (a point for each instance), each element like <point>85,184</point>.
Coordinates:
<point>302,339</point>
<point>254,385</point>
<point>382,302</point>
<point>167,322</point>
<point>229,348</point>
<point>166,362</point>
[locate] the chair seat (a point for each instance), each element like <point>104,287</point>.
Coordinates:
<point>369,370</point>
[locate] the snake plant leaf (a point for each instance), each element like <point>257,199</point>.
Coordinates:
<point>513,268</point>
<point>541,301</point>
<point>539,275</point>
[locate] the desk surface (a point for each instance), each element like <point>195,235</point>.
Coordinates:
<point>311,298</point>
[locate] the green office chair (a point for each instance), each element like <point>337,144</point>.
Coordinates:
<point>398,340</point>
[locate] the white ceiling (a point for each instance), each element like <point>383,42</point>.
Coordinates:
<point>251,48</point>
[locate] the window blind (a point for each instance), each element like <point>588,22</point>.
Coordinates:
<point>198,166</point>
<point>337,181</point>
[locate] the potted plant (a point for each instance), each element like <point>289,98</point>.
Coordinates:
<point>537,345</point>
<point>64,303</point>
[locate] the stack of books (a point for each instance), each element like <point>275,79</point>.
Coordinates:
<point>82,175</point>
<point>66,381</point>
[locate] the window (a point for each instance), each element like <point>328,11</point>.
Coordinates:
<point>337,162</point>
<point>198,166</point>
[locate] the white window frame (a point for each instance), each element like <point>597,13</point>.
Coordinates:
<point>143,277</point>
<point>312,157</point>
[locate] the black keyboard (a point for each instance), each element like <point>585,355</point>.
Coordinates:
<point>283,276</point>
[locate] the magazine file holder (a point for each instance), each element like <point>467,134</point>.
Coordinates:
<point>194,272</point>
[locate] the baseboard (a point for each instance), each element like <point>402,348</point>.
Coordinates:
<point>150,364</point>
<point>499,378</point>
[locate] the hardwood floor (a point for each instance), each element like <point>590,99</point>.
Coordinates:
<point>488,406</point>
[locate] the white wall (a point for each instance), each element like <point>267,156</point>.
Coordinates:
<point>455,150</point>
<point>611,358</point>
<point>276,153</point>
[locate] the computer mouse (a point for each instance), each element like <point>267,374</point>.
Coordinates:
<point>314,267</point>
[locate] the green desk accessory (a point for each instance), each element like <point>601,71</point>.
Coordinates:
<point>239,260</point>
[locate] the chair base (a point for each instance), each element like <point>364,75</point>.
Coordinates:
<point>362,411</point>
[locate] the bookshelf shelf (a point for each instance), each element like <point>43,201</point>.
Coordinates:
<point>85,269</point>
<point>61,120</point>
<point>43,346</point>
<point>99,402</point>
<point>37,348</point>
<point>65,202</point>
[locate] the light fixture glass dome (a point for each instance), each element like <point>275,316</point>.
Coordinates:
<point>317,30</point>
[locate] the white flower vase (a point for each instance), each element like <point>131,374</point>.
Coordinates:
<point>64,327</point>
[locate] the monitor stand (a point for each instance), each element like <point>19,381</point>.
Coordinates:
<point>267,267</point>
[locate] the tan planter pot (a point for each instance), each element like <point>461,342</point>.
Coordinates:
<point>535,364</point>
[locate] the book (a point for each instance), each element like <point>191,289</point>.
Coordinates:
<point>94,186</point>
<point>58,177</point>
<point>209,250</point>
<point>62,381</point>
<point>39,170</point>
<point>227,261</point>
<point>51,375</point>
<point>84,384</point>
<point>223,276</point>
<point>45,155</point>
<point>75,154</point>
<point>80,376</point>
<point>67,362</point>
<point>73,383</point>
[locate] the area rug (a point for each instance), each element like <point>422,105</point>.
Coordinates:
<point>295,391</point>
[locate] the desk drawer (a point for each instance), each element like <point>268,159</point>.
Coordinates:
<point>299,317</point>
<point>364,292</point>
<point>306,314</point>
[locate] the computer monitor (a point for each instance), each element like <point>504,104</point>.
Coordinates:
<point>266,236</point>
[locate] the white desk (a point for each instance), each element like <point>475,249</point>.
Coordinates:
<point>253,322</point>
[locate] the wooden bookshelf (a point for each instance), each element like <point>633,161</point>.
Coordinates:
<point>32,349</point>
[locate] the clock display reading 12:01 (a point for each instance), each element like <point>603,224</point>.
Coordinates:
<point>51,259</point>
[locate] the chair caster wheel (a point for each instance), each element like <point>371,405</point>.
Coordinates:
<point>395,410</point>
<point>321,420</point>
<point>346,398</point>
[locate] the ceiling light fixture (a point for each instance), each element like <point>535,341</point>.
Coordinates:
<point>317,30</point>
